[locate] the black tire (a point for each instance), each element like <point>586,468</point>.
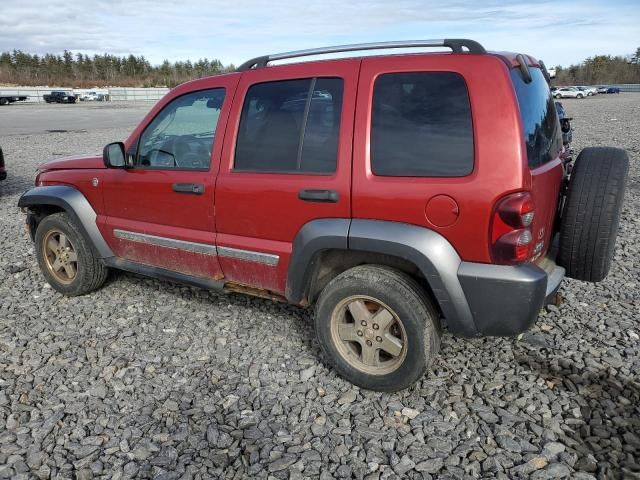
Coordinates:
<point>591,213</point>
<point>91,272</point>
<point>403,296</point>
<point>4,101</point>
<point>579,96</point>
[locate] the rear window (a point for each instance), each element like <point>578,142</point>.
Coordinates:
<point>539,118</point>
<point>421,125</point>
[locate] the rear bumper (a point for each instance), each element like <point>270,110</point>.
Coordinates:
<point>506,300</point>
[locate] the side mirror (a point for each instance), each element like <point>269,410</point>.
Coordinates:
<point>113,155</point>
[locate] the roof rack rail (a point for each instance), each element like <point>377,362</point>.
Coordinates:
<point>455,44</point>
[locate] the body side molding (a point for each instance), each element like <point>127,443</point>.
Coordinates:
<point>75,204</point>
<point>249,255</point>
<point>193,247</point>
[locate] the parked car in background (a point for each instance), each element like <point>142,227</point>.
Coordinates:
<point>608,89</point>
<point>7,99</point>
<point>89,96</point>
<point>569,92</point>
<point>60,96</point>
<point>590,91</point>
<point>368,186</point>
<point>3,169</point>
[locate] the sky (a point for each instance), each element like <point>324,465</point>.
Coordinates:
<point>560,32</point>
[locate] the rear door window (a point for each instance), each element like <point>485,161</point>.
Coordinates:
<point>540,123</point>
<point>290,126</point>
<point>421,125</point>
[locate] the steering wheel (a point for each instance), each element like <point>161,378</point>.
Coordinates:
<point>190,152</point>
<point>159,157</point>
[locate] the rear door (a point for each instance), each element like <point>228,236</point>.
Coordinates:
<point>286,161</point>
<point>543,143</point>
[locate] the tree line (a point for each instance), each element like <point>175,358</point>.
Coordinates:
<point>601,70</point>
<point>84,71</point>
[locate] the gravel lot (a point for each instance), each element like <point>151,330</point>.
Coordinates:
<point>152,380</point>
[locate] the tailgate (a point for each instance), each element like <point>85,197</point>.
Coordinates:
<point>545,188</point>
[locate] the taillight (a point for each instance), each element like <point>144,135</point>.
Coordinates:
<point>511,238</point>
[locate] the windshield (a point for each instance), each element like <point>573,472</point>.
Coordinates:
<point>539,118</point>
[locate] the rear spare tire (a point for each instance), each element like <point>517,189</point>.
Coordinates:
<point>591,213</point>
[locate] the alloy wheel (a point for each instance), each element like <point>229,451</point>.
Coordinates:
<point>60,256</point>
<point>369,335</point>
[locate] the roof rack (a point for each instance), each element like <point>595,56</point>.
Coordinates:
<point>455,44</point>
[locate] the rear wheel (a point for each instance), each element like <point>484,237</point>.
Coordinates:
<point>66,257</point>
<point>377,327</point>
<point>580,95</point>
<point>591,213</point>
<point>3,101</point>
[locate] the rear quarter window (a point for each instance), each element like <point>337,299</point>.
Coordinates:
<point>421,125</point>
<point>539,118</point>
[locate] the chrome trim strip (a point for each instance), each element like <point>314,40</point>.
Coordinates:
<point>201,248</point>
<point>249,255</point>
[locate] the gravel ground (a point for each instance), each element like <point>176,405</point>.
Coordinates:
<point>152,380</point>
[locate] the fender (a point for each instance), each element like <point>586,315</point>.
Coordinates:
<point>313,237</point>
<point>429,251</point>
<point>76,205</point>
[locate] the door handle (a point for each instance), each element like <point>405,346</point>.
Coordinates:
<point>194,188</point>
<point>322,196</point>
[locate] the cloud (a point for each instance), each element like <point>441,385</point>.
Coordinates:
<point>559,31</point>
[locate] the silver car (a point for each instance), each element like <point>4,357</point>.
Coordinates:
<point>569,92</point>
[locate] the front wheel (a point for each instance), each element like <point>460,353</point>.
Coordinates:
<point>377,327</point>
<point>66,258</point>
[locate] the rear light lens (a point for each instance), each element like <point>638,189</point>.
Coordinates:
<point>511,238</point>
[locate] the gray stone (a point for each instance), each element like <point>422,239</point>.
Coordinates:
<point>349,397</point>
<point>552,449</point>
<point>404,465</point>
<point>282,463</point>
<point>433,465</point>
<point>307,373</point>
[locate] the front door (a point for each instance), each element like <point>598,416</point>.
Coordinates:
<point>287,161</point>
<point>160,212</point>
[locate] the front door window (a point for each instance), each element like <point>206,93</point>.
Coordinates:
<point>181,136</point>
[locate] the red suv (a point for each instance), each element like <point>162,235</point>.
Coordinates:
<point>400,194</point>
